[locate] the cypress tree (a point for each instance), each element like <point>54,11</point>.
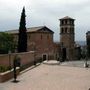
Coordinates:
<point>22,40</point>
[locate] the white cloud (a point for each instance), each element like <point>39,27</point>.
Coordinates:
<point>46,12</point>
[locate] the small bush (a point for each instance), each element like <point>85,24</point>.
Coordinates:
<point>3,68</point>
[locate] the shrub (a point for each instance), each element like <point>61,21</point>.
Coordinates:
<point>3,68</point>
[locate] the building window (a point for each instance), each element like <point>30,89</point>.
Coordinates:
<point>68,22</point>
<point>62,30</point>
<point>65,30</point>
<point>71,22</point>
<point>62,22</point>
<point>71,30</point>
<point>65,21</point>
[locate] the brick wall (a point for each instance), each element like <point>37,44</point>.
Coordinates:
<point>7,59</point>
<point>41,42</point>
<point>7,75</point>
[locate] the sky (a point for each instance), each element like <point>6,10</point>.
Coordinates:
<point>46,13</point>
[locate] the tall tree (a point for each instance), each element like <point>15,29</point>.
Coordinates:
<point>7,43</point>
<point>22,41</point>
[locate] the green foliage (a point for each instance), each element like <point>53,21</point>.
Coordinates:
<point>3,68</point>
<point>22,41</point>
<point>6,43</point>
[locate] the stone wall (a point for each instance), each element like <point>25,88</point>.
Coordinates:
<point>8,75</point>
<point>41,42</point>
<point>25,58</point>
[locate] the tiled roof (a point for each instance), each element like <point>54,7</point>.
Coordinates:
<point>32,29</point>
<point>67,17</point>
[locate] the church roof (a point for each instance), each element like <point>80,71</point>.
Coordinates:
<point>32,29</point>
<point>66,17</point>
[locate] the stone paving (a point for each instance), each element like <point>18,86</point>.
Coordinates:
<point>51,75</point>
<point>76,63</point>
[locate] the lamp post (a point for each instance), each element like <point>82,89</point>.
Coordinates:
<point>34,54</point>
<point>62,57</point>
<point>15,64</point>
<point>9,59</point>
<point>15,75</point>
<point>34,59</point>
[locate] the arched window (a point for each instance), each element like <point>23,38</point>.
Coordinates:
<point>62,22</point>
<point>71,22</point>
<point>65,21</point>
<point>62,30</point>
<point>66,30</point>
<point>71,30</point>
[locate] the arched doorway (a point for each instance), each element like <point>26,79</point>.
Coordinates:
<point>44,57</point>
<point>64,55</point>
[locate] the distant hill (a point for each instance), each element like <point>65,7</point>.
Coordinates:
<point>82,43</point>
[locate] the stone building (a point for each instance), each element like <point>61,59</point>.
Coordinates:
<point>57,50</point>
<point>39,39</point>
<point>67,37</point>
<point>88,43</point>
<point>78,52</point>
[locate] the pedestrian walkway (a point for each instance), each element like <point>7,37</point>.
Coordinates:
<point>51,62</point>
<point>50,75</point>
<point>79,63</point>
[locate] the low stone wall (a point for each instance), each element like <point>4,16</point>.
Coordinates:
<point>8,75</point>
<point>27,59</point>
<point>7,59</point>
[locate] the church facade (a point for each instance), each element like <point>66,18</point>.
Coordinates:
<point>40,40</point>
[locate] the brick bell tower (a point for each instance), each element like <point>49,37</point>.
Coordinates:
<point>67,38</point>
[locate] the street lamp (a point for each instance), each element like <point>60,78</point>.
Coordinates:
<point>9,59</point>
<point>34,59</point>
<point>15,64</point>
<point>15,75</point>
<point>62,56</point>
<point>34,49</point>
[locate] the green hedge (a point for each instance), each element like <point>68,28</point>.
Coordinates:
<point>4,68</point>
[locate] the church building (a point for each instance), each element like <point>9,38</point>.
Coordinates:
<point>39,39</point>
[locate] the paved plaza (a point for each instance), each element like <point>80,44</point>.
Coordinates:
<point>50,75</point>
<point>76,63</point>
